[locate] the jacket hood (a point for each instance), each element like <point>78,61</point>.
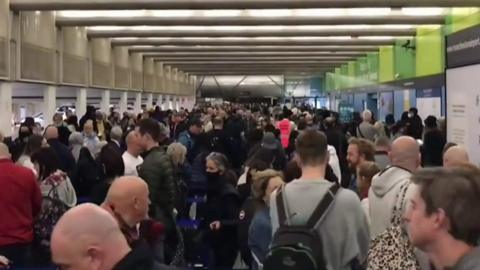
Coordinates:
<point>387,179</point>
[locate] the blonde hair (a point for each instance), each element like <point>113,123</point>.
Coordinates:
<point>260,182</point>
<point>177,152</point>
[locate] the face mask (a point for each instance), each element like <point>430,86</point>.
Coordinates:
<point>213,177</point>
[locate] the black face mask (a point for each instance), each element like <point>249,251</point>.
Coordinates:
<point>213,177</point>
<point>213,182</point>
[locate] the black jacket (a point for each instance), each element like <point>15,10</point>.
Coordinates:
<point>65,157</point>
<point>218,142</point>
<point>432,148</point>
<point>224,207</point>
<point>116,147</point>
<point>87,174</point>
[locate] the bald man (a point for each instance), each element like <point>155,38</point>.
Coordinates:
<point>455,156</point>
<point>20,203</point>
<point>87,237</point>
<point>131,157</point>
<point>128,201</point>
<point>67,161</point>
<point>405,158</point>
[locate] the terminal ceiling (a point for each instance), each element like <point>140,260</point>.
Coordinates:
<point>211,37</point>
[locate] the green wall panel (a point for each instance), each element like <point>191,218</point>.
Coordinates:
<point>338,77</point>
<point>386,66</point>
<point>344,76</point>
<point>351,74</point>
<point>330,81</point>
<point>372,68</point>
<point>461,18</point>
<point>430,51</point>
<point>404,61</point>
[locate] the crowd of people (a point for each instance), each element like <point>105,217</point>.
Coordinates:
<point>238,186</point>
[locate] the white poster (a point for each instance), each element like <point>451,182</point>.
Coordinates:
<point>463,109</point>
<point>429,106</point>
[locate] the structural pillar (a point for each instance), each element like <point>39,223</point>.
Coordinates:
<point>177,103</point>
<point>122,105</point>
<point>6,105</point>
<point>81,103</point>
<point>138,102</point>
<point>49,103</point>
<point>168,102</point>
<point>149,101</point>
<point>105,101</point>
<point>174,102</point>
<point>160,102</point>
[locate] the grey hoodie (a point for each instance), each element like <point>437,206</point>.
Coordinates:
<point>382,197</point>
<point>471,261</point>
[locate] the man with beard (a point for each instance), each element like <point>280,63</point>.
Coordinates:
<point>359,151</point>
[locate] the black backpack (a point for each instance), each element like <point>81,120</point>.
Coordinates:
<point>52,210</point>
<point>298,247</point>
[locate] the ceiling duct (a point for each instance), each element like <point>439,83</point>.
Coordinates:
<point>228,4</point>
<point>250,20</point>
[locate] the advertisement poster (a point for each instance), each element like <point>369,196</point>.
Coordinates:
<point>429,102</point>
<point>385,105</point>
<point>345,111</point>
<point>463,109</point>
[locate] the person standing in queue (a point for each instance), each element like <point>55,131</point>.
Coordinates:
<point>221,211</point>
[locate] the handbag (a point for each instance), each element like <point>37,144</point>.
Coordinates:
<point>392,249</point>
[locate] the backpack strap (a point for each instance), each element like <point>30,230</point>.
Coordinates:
<point>322,206</point>
<point>281,210</point>
<point>359,131</point>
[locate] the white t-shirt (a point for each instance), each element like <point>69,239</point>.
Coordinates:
<point>131,163</point>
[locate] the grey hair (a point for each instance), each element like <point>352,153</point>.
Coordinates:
<point>116,133</point>
<point>177,153</point>
<point>76,138</point>
<point>220,160</point>
<point>367,115</point>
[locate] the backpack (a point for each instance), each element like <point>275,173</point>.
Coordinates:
<point>216,145</point>
<point>298,246</point>
<point>52,210</point>
<point>392,249</point>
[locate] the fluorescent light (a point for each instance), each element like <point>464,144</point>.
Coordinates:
<point>270,12</point>
<point>379,37</point>
<point>169,13</point>
<point>325,12</point>
<point>423,11</point>
<point>100,13</point>
<point>222,13</point>
<point>246,28</point>
<point>369,11</point>
<point>319,12</point>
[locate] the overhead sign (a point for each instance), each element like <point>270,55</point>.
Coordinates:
<point>463,48</point>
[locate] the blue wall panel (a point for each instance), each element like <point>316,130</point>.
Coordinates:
<point>358,100</point>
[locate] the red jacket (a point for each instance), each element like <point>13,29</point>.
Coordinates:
<point>20,203</point>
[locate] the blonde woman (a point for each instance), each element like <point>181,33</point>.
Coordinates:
<point>260,233</point>
<point>181,171</point>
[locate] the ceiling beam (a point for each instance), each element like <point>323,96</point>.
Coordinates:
<point>318,69</point>
<point>251,33</point>
<point>241,20</point>
<point>246,42</point>
<point>252,73</point>
<point>228,4</point>
<point>252,54</point>
<point>282,58</point>
<point>258,63</point>
<point>359,48</point>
